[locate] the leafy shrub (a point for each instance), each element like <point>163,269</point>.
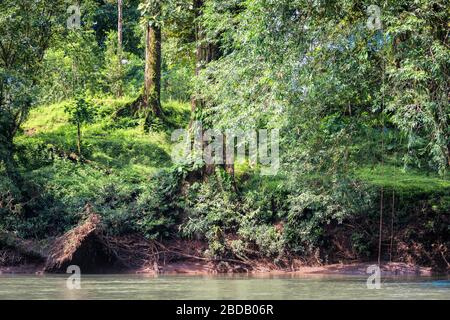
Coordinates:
<point>326,203</point>
<point>10,201</point>
<point>124,78</point>
<point>360,244</point>
<point>211,212</point>
<point>158,207</point>
<point>268,239</point>
<point>74,66</point>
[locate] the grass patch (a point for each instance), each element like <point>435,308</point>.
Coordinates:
<point>412,182</point>
<point>118,144</point>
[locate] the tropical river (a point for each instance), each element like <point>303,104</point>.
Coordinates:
<point>285,287</point>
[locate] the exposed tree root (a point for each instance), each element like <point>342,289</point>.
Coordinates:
<point>86,247</point>
<point>131,109</point>
<point>139,253</point>
<point>141,108</point>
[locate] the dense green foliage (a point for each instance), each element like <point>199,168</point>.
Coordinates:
<point>363,114</point>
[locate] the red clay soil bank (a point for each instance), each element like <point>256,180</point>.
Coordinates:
<point>84,246</point>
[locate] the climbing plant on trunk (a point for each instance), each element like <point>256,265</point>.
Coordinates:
<point>152,87</point>
<point>152,20</point>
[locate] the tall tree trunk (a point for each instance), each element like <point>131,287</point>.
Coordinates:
<point>152,86</point>
<point>205,53</point>
<point>198,50</point>
<point>120,25</point>
<point>120,42</point>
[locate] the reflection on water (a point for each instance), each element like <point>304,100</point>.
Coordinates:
<point>286,287</point>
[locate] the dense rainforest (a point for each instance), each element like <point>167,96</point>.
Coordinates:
<point>358,91</point>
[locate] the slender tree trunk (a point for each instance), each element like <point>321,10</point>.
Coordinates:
<point>152,87</point>
<point>198,50</point>
<point>79,139</point>
<point>120,43</point>
<point>119,25</point>
<point>448,154</point>
<point>205,53</point>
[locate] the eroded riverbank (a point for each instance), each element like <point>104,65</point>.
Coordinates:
<point>87,247</point>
